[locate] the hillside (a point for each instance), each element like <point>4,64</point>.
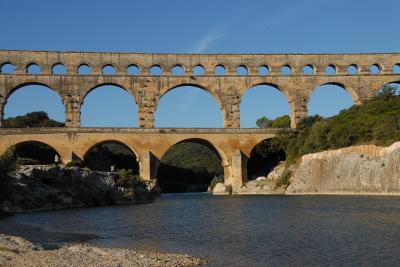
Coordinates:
<point>377,122</point>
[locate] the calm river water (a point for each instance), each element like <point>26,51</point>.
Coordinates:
<point>246,230</point>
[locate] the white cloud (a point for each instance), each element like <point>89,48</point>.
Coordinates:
<point>207,40</point>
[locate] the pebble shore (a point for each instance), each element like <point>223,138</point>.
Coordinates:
<point>17,251</point>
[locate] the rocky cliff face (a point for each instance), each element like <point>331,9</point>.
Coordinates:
<point>364,169</point>
<point>51,187</point>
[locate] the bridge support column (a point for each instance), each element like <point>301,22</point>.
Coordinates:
<point>148,165</point>
<point>298,111</point>
<point>3,102</point>
<point>231,111</point>
<point>72,111</point>
<point>238,174</point>
<point>146,108</point>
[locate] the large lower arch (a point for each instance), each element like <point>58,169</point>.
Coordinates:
<point>110,154</point>
<point>329,99</point>
<point>188,105</point>
<point>35,153</point>
<point>31,97</point>
<point>189,166</point>
<point>263,158</point>
<point>263,100</point>
<point>108,105</point>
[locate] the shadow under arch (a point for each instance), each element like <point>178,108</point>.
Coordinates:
<point>32,152</point>
<point>106,153</point>
<point>264,157</point>
<point>270,87</point>
<point>203,162</point>
<point>341,92</point>
<point>178,86</point>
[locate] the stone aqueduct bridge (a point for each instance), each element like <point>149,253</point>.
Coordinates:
<point>232,144</point>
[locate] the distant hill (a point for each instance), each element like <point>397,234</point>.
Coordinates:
<point>32,119</point>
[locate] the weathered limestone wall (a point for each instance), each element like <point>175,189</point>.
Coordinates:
<point>364,169</point>
<point>227,89</point>
<point>149,145</point>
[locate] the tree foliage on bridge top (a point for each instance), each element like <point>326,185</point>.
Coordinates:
<point>279,122</point>
<point>377,121</point>
<point>32,119</point>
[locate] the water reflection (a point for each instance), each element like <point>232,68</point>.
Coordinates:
<point>246,230</point>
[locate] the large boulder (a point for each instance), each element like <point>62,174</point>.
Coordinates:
<point>222,189</point>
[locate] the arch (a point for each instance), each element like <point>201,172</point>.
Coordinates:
<point>329,99</point>
<point>185,106</point>
<point>109,69</point>
<point>133,69</point>
<point>352,69</point>
<point>84,69</point>
<point>263,158</point>
<point>396,68</point>
<point>264,70</point>
<point>308,69</point>
<point>219,70</point>
<point>21,103</point>
<point>257,97</point>
<point>123,113</point>
<point>198,70</point>
<point>19,86</point>
<point>177,70</point>
<point>119,160</point>
<point>375,69</point>
<point>33,69</point>
<point>7,68</point>
<point>104,84</point>
<point>242,70</point>
<point>330,69</point>
<point>156,70</point>
<point>285,69</point>
<point>58,69</point>
<point>204,162</point>
<point>35,152</point>
<point>395,84</point>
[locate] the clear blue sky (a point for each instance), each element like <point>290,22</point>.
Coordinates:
<point>206,26</point>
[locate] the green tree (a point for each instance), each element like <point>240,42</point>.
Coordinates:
<point>32,119</point>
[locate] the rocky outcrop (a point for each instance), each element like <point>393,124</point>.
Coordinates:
<point>261,187</point>
<point>222,189</point>
<point>364,169</point>
<point>53,187</point>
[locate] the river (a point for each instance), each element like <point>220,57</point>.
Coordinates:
<point>245,230</point>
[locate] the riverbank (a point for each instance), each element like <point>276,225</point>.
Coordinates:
<point>22,245</point>
<point>48,187</point>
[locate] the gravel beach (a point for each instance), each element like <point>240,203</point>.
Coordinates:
<point>22,245</point>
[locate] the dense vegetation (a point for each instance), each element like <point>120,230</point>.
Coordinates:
<point>377,121</point>
<point>32,119</point>
<point>279,122</point>
<point>103,156</point>
<point>188,167</point>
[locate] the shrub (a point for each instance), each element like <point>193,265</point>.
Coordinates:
<point>27,161</point>
<point>126,178</point>
<point>284,179</point>
<point>74,164</point>
<point>7,163</point>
